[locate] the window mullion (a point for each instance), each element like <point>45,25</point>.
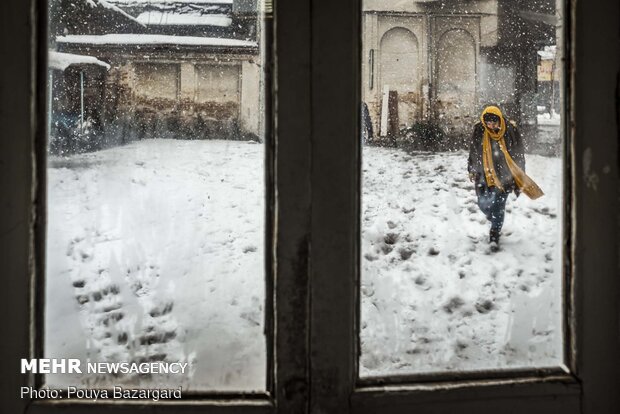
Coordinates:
<point>17,128</point>
<point>335,201</point>
<point>292,213</point>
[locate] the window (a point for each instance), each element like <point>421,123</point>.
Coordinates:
<point>316,170</point>
<point>438,298</point>
<point>156,196</point>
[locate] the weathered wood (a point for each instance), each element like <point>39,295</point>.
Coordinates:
<point>594,128</point>
<point>331,345</point>
<point>292,175</point>
<point>336,151</point>
<point>18,127</point>
<point>191,407</point>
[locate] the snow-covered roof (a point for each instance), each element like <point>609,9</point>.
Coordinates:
<point>129,2</point>
<point>149,39</point>
<point>61,61</point>
<point>547,53</point>
<point>107,5</point>
<point>158,18</point>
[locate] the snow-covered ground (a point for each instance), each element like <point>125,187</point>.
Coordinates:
<point>549,119</point>
<point>434,297</point>
<point>155,252</point>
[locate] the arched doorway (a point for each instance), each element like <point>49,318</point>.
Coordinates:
<point>456,81</point>
<point>399,73</point>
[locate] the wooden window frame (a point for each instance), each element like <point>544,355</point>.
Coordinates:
<point>287,219</point>
<point>593,348</point>
<point>315,208</point>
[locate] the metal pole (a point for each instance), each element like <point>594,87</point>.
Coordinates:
<point>82,102</point>
<point>50,112</point>
<point>371,68</point>
<point>552,103</point>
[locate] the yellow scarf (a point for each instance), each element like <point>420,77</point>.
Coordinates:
<point>523,182</point>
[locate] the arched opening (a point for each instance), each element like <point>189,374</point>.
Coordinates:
<point>399,76</point>
<point>456,79</point>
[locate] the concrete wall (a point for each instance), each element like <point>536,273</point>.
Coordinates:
<point>211,88</point>
<point>497,83</point>
<point>197,97</point>
<point>193,92</point>
<point>217,83</point>
<point>252,111</point>
<point>156,80</point>
<point>455,55</point>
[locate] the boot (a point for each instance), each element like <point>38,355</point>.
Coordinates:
<point>494,240</point>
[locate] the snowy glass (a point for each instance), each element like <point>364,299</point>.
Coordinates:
<point>437,297</point>
<point>155,248</point>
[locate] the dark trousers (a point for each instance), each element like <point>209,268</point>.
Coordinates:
<point>492,202</point>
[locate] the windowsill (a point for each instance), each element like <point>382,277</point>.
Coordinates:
<point>532,386</point>
<point>254,402</point>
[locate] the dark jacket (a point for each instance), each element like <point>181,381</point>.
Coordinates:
<point>367,131</point>
<point>514,145</point>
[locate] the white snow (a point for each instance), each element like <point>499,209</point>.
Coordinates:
<point>105,4</point>
<point>548,53</point>
<point>156,248</point>
<point>148,39</point>
<point>434,297</point>
<point>549,119</point>
<point>155,251</point>
<point>159,18</point>
<point>61,61</point>
<point>173,1</point>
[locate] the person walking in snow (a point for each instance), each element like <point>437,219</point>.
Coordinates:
<point>496,166</point>
<point>367,132</point>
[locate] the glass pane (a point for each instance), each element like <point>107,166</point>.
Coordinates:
<point>461,257</point>
<point>156,193</point>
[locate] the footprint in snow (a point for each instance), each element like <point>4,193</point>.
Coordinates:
<point>405,253</point>
<point>421,282</point>
<point>453,304</point>
<point>433,251</point>
<point>250,249</point>
<point>485,306</point>
<point>391,238</point>
<point>387,248</point>
<point>370,257</point>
